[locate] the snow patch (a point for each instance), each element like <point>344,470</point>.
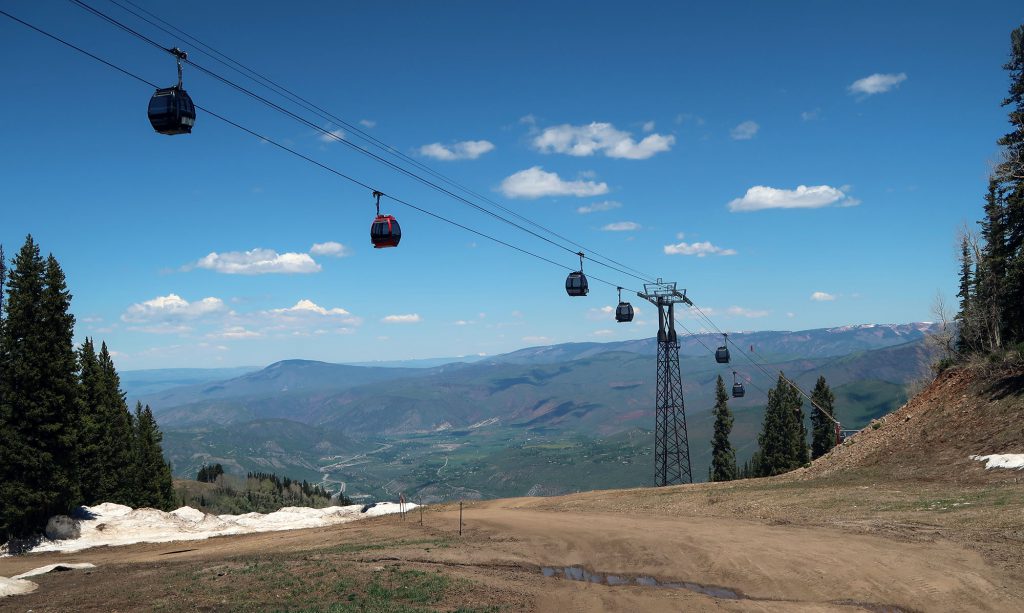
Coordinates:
<point>115,524</point>
<point>19,585</point>
<point>1001,460</point>
<point>13,587</point>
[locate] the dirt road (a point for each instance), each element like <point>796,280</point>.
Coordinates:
<point>749,565</point>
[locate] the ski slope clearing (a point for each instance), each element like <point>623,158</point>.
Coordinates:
<point>115,524</point>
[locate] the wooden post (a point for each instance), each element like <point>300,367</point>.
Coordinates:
<point>421,512</point>
<point>460,518</point>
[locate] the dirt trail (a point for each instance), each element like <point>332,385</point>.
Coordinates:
<point>774,568</point>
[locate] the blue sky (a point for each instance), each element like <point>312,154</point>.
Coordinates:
<point>686,131</point>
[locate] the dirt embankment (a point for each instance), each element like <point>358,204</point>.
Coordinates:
<point>964,412</point>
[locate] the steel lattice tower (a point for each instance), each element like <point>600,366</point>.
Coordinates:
<point>671,444</point>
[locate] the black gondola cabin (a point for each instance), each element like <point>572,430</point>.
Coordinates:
<point>576,284</point>
<point>171,111</point>
<point>737,390</point>
<point>624,312</point>
<point>385,232</point>
<point>722,355</point>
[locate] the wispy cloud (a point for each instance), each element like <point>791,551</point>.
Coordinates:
<point>332,136</point>
<point>737,311</point>
<point>536,339</point>
<point>606,205</point>
<point>330,248</point>
<point>603,138</point>
<point>700,249</point>
<point>761,197</point>
<point>258,262</point>
<point>745,131</point>
<point>234,333</point>
<point>877,83</point>
<point>465,150</point>
<point>621,226</point>
<point>535,182</point>
<point>648,126</point>
<point>411,318</point>
<point>822,297</point>
<point>810,115</point>
<point>368,123</point>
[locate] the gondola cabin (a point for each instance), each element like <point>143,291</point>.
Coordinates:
<point>385,232</point>
<point>576,284</point>
<point>171,111</point>
<point>737,390</point>
<point>624,312</point>
<point>722,355</point>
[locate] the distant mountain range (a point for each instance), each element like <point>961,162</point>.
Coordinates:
<point>298,412</point>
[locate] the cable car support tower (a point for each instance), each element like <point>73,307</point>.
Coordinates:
<point>671,445</point>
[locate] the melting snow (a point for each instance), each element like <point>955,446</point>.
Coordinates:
<point>19,585</point>
<point>115,524</point>
<point>1001,460</point>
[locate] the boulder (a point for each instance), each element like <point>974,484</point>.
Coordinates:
<point>62,528</point>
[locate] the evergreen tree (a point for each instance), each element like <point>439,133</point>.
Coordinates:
<point>154,486</point>
<point>723,456</point>
<point>1011,175</point>
<point>823,432</point>
<point>38,393</point>
<point>989,299</point>
<point>91,437</point>
<point>783,444</point>
<point>118,436</point>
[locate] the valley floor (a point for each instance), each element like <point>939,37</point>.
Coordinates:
<point>782,544</point>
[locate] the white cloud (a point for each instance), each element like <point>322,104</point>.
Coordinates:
<point>680,236</point>
<point>601,314</point>
<point>171,308</point>
<point>528,120</point>
<point>600,137</point>
<point>465,150</point>
<point>536,339</point>
<point>308,307</point>
<point>411,318</point>
<point>258,262</point>
<point>463,322</point>
<point>332,136</point>
<point>330,248</point>
<point>810,115</point>
<point>877,83</point>
<point>700,249</point>
<point>742,312</point>
<point>621,226</point>
<point>822,297</point>
<point>368,123</point>
<point>535,182</point>
<point>745,131</point>
<point>648,126</point>
<point>605,205</point>
<point>761,197</point>
<point>234,332</point>
<point>603,332</point>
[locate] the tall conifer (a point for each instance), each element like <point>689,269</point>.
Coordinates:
<point>152,474</point>
<point>823,432</point>
<point>723,456</point>
<point>38,393</point>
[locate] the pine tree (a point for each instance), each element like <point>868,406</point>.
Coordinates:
<point>91,437</point>
<point>723,456</point>
<point>783,444</point>
<point>823,432</point>
<point>118,436</point>
<point>989,299</point>
<point>1010,173</point>
<point>38,393</point>
<point>154,486</point>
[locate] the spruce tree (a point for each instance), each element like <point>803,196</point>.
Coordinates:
<point>38,395</point>
<point>783,444</point>
<point>989,298</point>
<point>91,438</point>
<point>154,486</point>
<point>1011,176</point>
<point>118,437</point>
<point>823,432</point>
<point>723,456</point>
